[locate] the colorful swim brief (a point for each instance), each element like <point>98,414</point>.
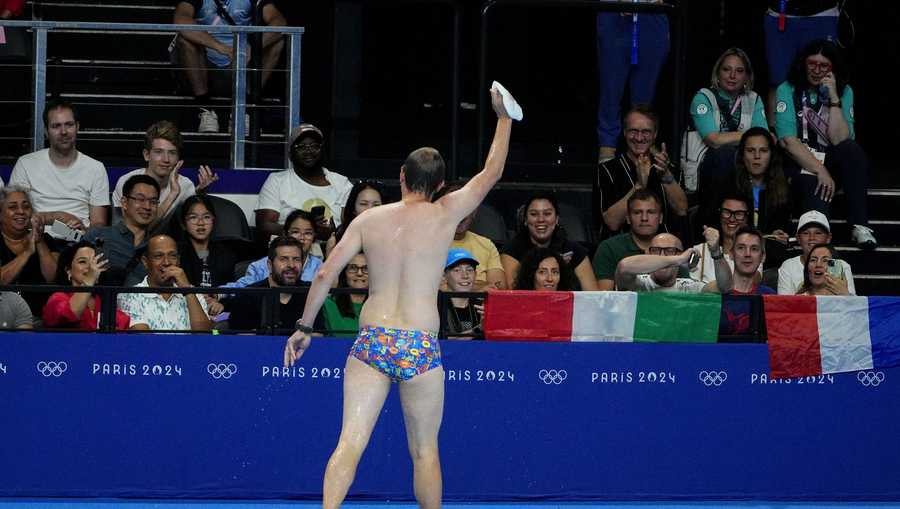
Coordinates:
<point>400,354</point>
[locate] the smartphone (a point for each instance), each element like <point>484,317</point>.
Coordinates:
<point>317,211</point>
<point>835,269</point>
<point>62,231</point>
<point>695,259</point>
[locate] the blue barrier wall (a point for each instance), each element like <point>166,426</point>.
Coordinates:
<point>217,417</point>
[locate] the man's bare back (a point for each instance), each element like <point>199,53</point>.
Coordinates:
<point>405,245</point>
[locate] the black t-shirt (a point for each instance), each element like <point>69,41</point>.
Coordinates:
<point>519,246</point>
<point>222,258</point>
<point>251,311</point>
<point>31,274</point>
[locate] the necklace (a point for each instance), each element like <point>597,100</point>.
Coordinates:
<point>467,324</point>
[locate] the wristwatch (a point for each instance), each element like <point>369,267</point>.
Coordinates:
<point>668,178</point>
<point>836,104</point>
<point>301,327</point>
<point>718,255</point>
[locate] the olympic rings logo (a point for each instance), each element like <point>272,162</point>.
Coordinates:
<point>870,378</point>
<point>52,368</point>
<point>553,376</point>
<point>712,378</point>
<point>223,371</point>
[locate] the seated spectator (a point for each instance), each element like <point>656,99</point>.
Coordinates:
<point>489,272</point>
<point>758,173</point>
<point>732,215</point>
<point>812,229</point>
<point>300,226</point>
<point>463,315</point>
<point>14,312</point>
<point>541,229</point>
<point>822,152</point>
<point>544,270</point>
<point>124,242</point>
<point>363,196</point>
<point>65,184</point>
<point>643,166</point>
<point>164,311</point>
<point>79,265</point>
<point>199,253</point>
<point>341,311</point>
<point>162,152</point>
<point>722,113</point>
<point>748,253</point>
<point>251,312</point>
<point>823,274</point>
<point>307,186</point>
<point>658,269</point>
<point>644,219</point>
<point>197,51</point>
<point>27,254</point>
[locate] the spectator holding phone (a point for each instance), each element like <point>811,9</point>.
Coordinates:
<point>541,229</point>
<point>308,186</point>
<point>814,122</point>
<point>812,229</point>
<point>657,271</point>
<point>823,274</point>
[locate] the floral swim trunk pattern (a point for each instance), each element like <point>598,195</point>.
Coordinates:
<point>400,354</point>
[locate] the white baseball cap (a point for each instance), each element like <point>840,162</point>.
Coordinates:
<point>813,217</point>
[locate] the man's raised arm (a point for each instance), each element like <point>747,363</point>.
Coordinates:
<point>467,199</point>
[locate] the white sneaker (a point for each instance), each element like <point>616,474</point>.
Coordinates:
<point>863,237</point>
<point>209,121</point>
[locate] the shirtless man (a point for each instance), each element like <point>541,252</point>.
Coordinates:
<point>406,247</point>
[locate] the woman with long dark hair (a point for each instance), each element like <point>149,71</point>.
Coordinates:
<point>544,270</point>
<point>541,228</point>
<point>815,125</point>
<point>823,274</point>
<point>363,196</point>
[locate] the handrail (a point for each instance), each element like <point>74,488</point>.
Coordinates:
<point>676,13</point>
<point>108,294</point>
<point>239,99</point>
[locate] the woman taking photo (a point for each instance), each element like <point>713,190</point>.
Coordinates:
<point>26,253</point>
<point>815,125</point>
<point>823,274</point>
<point>541,229</point>
<point>79,265</point>
<point>544,270</point>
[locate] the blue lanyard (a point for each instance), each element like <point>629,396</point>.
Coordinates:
<point>634,37</point>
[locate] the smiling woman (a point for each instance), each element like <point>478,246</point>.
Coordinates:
<point>541,228</point>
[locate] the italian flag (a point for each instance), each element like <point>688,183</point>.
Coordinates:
<point>602,316</point>
<point>813,335</point>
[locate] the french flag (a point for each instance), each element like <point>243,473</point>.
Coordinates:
<point>813,335</point>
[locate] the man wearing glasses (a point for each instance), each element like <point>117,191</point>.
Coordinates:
<point>123,242</point>
<point>164,311</point>
<point>657,271</point>
<point>733,214</point>
<point>308,186</point>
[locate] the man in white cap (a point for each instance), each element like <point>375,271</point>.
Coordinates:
<point>813,228</point>
<point>309,186</point>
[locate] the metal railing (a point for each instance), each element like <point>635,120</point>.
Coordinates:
<point>269,304</point>
<point>239,66</point>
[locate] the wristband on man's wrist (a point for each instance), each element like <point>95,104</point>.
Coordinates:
<point>300,326</point>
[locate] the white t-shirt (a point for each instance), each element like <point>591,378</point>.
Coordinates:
<point>285,192</point>
<point>645,283</point>
<point>187,189</point>
<point>790,276</point>
<point>74,189</point>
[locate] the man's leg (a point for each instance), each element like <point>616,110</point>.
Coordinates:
<point>271,55</point>
<point>364,392</point>
<point>423,408</point>
<point>193,59</point>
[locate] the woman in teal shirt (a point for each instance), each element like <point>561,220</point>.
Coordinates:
<point>341,311</point>
<point>722,113</point>
<point>814,121</point>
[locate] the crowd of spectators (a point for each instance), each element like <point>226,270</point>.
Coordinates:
<point>749,167</point>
